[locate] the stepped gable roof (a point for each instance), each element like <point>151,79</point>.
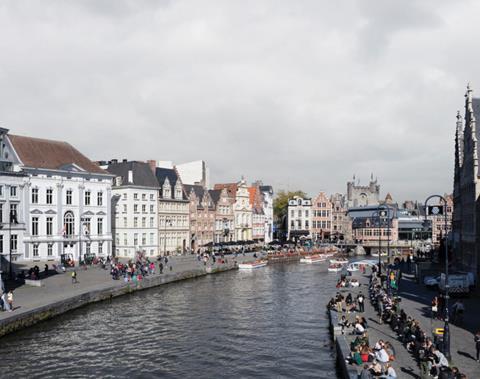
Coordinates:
<point>50,154</point>
<point>215,195</point>
<point>252,192</point>
<point>231,188</point>
<point>142,173</point>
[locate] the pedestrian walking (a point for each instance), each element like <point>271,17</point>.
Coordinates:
<point>361,302</point>
<point>74,277</point>
<point>160,267</point>
<point>6,307</point>
<point>477,344</point>
<point>441,306</point>
<point>434,307</point>
<point>458,308</point>
<point>10,300</point>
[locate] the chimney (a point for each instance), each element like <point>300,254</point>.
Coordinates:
<point>153,165</point>
<point>130,176</point>
<point>125,160</point>
<point>114,161</point>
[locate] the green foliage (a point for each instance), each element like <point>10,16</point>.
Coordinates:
<point>280,203</point>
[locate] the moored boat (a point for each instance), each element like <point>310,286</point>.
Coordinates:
<point>252,265</point>
<point>342,261</point>
<point>312,259</point>
<point>335,267</point>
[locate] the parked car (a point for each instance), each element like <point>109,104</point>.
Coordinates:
<point>431,281</point>
<point>458,284</point>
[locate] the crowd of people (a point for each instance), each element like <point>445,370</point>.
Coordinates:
<point>138,269</point>
<point>375,360</point>
<point>433,363</point>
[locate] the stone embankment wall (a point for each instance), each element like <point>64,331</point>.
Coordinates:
<point>21,320</point>
<point>342,349</point>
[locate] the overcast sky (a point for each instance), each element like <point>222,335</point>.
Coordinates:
<point>301,94</point>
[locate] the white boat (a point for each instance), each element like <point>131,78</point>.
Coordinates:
<point>252,265</point>
<point>355,266</point>
<point>342,261</point>
<point>383,254</point>
<point>312,259</point>
<point>336,267</point>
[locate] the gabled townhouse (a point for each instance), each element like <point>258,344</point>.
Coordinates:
<point>322,217</point>
<point>173,212</point>
<point>242,209</point>
<point>224,217</point>
<point>202,216</point>
<point>258,216</point>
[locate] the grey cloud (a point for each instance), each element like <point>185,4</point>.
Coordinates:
<point>273,90</point>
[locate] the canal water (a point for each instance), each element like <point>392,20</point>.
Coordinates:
<point>269,323</point>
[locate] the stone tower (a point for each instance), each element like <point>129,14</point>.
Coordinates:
<point>362,196</point>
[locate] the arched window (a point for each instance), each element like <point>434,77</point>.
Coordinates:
<point>69,224</point>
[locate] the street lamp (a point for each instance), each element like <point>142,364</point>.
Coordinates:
<point>437,210</point>
<point>383,212</point>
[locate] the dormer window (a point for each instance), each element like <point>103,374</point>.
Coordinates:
<point>166,191</point>
<point>178,191</point>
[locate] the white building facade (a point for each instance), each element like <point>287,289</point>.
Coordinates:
<point>242,210</point>
<point>267,192</point>
<point>194,173</point>
<point>12,217</point>
<point>299,217</point>
<point>135,205</point>
<point>173,213</point>
<point>65,200</point>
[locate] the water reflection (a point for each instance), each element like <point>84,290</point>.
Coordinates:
<point>267,323</point>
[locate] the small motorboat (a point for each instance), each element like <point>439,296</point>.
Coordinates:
<point>356,266</point>
<point>339,260</point>
<point>383,254</point>
<point>252,265</point>
<point>335,267</point>
<point>313,259</point>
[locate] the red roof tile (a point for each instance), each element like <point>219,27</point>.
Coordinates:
<point>49,154</point>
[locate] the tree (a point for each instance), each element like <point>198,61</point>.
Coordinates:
<point>280,203</point>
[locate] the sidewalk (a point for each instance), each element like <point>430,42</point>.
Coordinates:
<point>416,300</point>
<point>404,364</point>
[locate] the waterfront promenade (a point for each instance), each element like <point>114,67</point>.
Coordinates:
<point>416,300</point>
<point>404,364</point>
<point>59,288</point>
